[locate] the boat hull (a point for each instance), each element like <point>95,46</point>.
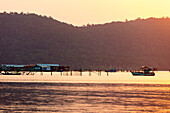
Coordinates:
<point>143,74</point>
<point>11,73</point>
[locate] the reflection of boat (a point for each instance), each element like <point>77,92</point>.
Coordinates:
<point>138,73</point>
<point>16,73</point>
<point>146,71</point>
<point>112,70</point>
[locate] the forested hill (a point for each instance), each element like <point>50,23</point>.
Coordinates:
<point>30,39</point>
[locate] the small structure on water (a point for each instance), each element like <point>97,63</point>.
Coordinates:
<point>49,67</point>
<point>9,68</point>
<point>32,67</point>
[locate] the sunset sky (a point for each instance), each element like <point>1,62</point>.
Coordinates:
<point>82,12</point>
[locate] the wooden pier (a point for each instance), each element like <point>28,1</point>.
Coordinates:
<point>51,72</point>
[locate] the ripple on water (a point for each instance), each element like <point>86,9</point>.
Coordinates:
<point>87,97</point>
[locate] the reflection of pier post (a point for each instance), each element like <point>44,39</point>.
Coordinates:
<point>99,73</point>
<point>71,73</point>
<point>51,73</point>
<point>107,73</point>
<point>80,72</point>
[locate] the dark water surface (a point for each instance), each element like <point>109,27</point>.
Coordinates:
<point>84,97</point>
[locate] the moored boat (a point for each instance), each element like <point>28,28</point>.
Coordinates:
<point>146,71</point>
<point>143,74</point>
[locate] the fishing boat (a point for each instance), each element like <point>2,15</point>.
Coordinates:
<point>143,73</point>
<point>146,71</point>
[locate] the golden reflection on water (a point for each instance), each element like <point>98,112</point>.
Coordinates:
<point>84,97</point>
<point>116,92</point>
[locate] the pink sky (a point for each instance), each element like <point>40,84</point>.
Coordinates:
<point>82,12</point>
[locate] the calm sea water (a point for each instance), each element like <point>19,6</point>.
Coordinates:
<point>84,97</point>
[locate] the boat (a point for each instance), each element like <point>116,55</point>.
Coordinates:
<point>11,73</point>
<point>112,70</point>
<point>143,73</point>
<point>146,71</point>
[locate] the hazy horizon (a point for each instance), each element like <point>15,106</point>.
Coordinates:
<point>86,12</point>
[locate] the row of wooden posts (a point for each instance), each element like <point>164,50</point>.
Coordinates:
<point>61,73</point>
<point>81,72</point>
<point>67,72</point>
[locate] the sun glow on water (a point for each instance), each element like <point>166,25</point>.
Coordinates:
<point>162,77</point>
